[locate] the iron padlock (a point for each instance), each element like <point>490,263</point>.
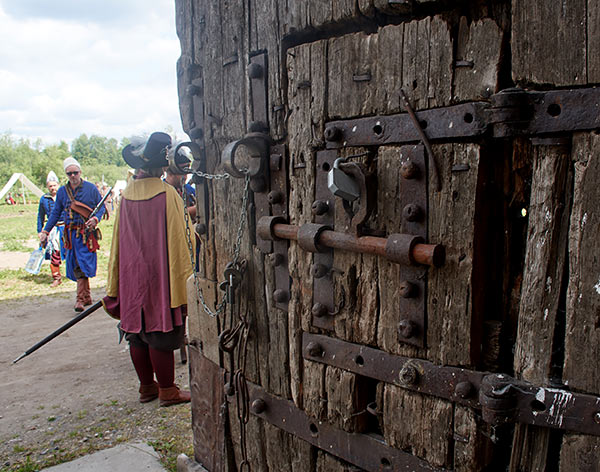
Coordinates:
<point>341,184</point>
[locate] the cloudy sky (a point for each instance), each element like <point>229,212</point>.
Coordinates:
<point>105,67</point>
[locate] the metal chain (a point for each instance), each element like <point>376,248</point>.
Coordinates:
<point>220,307</point>
<point>204,175</point>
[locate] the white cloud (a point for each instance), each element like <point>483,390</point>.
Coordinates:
<point>64,72</point>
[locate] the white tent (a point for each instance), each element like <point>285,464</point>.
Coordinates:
<point>24,181</point>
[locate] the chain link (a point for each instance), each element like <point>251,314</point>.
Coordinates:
<point>220,307</point>
<point>204,175</point>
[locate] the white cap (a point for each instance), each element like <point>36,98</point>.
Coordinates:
<point>70,161</point>
<point>51,177</point>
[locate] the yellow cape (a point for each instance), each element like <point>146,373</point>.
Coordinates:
<point>180,264</point>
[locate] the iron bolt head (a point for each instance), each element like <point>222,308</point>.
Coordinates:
<point>280,296</point>
<point>320,207</point>
<point>193,89</point>
<point>275,197</point>
<point>275,259</point>
<point>409,170</point>
<point>463,389</point>
<point>258,406</point>
<point>333,133</point>
<point>196,133</point>
<point>258,184</point>
<point>407,289</point>
<point>319,310</point>
<point>201,228</point>
<point>597,417</point>
<point>319,271</point>
<point>407,329</point>
<point>412,212</point>
<point>255,71</point>
<point>314,349</point>
<point>408,375</point>
<point>256,127</point>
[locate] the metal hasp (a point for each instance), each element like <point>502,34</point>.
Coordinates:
<point>400,248</point>
<point>323,210</point>
<point>501,398</point>
<point>365,451</point>
<point>510,112</point>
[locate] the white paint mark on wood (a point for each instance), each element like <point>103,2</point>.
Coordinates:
<point>597,287</point>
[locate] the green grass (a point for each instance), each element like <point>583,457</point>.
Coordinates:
<point>18,232</point>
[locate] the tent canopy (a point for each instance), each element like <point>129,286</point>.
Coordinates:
<point>26,182</point>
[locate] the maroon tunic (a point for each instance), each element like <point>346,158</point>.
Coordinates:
<point>144,269</point>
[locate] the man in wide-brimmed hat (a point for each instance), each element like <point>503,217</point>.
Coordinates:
<point>148,268</point>
<point>55,248</point>
<point>75,202</point>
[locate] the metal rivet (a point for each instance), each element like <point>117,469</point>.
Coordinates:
<point>258,406</point>
<point>408,375</point>
<point>280,296</point>
<point>319,271</point>
<point>275,197</point>
<point>201,228</point>
<point>319,310</point>
<point>463,389</point>
<point>333,133</point>
<point>196,133</point>
<point>407,328</point>
<point>275,259</point>
<point>407,289</point>
<point>409,170</point>
<point>320,207</point>
<point>411,212</point>
<point>258,184</point>
<point>314,349</point>
<point>255,71</point>
<point>193,89</point>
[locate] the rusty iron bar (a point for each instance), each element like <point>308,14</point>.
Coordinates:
<point>425,254</point>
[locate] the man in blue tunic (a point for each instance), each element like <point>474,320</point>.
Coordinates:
<point>55,249</point>
<point>76,200</point>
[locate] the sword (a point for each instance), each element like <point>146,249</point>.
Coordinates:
<point>60,330</point>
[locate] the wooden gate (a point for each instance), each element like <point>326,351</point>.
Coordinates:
<point>404,255</point>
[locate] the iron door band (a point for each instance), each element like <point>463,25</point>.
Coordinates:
<point>501,398</point>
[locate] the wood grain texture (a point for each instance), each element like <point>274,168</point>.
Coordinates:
<point>202,328</point>
<point>286,453</point>
<point>480,44</point>
<point>593,41</point>
<point>424,429</point>
<point>549,42</point>
<point>472,444</point>
<point>452,223</point>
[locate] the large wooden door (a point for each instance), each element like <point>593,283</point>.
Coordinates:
<point>380,354</point>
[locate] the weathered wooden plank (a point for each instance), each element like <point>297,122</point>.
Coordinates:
<point>328,463</point>
<point>424,428</point>
<point>542,280</point>
<point>593,41</point>
<point>472,444</point>
<point>202,328</point>
<point>346,407</point>
<point>452,223</point>
<point>389,71</point>
<point>285,452</point>
<point>548,42</point>
<point>478,53</point>
<point>440,71</point>
<point>307,64</point>
<point>583,296</point>
<point>313,391</point>
<point>352,61</point>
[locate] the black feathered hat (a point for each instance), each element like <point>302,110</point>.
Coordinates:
<point>150,154</point>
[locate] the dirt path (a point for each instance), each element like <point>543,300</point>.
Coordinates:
<point>76,394</point>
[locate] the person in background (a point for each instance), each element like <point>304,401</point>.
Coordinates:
<point>148,268</point>
<point>75,201</point>
<point>175,176</point>
<point>56,250</point>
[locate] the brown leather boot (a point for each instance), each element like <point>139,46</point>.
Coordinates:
<point>55,275</point>
<point>86,296</point>
<point>148,392</point>
<point>173,396</point>
<point>79,301</point>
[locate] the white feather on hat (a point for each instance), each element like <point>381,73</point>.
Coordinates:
<point>51,177</point>
<point>70,161</point>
